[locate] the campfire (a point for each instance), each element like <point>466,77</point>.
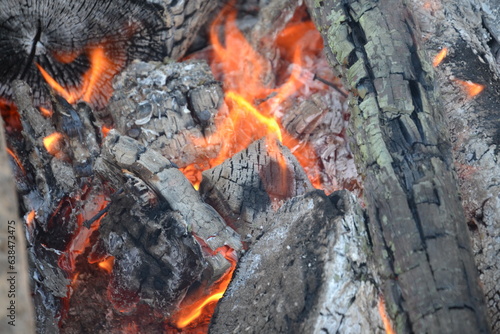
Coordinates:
<point>248,186</point>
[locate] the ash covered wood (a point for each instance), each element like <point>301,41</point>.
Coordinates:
<point>307,274</point>
<point>60,35</point>
<point>122,154</point>
<point>169,106</point>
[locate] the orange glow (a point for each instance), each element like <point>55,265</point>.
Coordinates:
<point>45,112</point>
<point>471,89</point>
<point>385,317</point>
<point>81,237</point>
<point>195,314</point>
<point>16,159</point>
<point>440,57</point>
<point>30,218</point>
<point>107,264</point>
<point>96,87</point>
<point>255,107</point>
<point>53,143</point>
<point>105,130</point>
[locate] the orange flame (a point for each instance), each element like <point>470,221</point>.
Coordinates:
<point>96,87</point>
<point>385,317</point>
<point>16,160</point>
<point>255,107</point>
<point>440,57</point>
<point>53,143</point>
<point>192,315</point>
<point>472,89</point>
<point>107,264</point>
<point>45,112</point>
<point>30,218</point>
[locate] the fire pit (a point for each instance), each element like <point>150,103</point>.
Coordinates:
<point>151,188</point>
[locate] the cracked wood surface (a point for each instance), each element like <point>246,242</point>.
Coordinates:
<point>425,265</point>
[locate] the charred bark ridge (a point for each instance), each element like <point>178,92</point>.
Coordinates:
<point>59,36</point>
<point>417,224</point>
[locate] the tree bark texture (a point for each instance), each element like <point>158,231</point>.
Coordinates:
<point>416,221</point>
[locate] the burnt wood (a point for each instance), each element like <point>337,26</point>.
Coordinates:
<point>59,36</point>
<point>420,240</point>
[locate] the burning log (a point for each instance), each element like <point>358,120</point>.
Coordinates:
<point>420,239</point>
<point>249,184</point>
<point>64,42</point>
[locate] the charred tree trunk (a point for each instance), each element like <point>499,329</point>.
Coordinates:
<point>420,239</point>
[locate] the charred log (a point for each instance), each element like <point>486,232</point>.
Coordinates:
<point>60,37</point>
<point>427,272</point>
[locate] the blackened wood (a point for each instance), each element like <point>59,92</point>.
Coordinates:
<point>469,30</point>
<point>122,152</point>
<point>249,184</point>
<point>420,239</point>
<point>60,35</point>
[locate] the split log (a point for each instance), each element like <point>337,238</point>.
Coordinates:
<point>426,269</point>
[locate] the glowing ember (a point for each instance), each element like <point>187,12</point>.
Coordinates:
<point>30,218</point>
<point>81,238</point>
<point>385,317</point>
<point>96,87</point>
<point>45,112</point>
<point>472,89</point>
<point>440,57</point>
<point>16,159</point>
<point>53,143</point>
<point>107,264</point>
<point>199,312</point>
<point>254,107</point>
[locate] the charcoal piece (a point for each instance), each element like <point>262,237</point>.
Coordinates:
<point>307,274</point>
<point>122,152</point>
<point>246,185</point>
<point>169,108</point>
<point>156,257</point>
<point>60,36</point>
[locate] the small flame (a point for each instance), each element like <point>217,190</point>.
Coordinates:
<point>471,88</point>
<point>45,112</point>
<point>105,130</point>
<point>53,143</point>
<point>440,57</point>
<point>200,310</point>
<point>30,218</point>
<point>107,264</point>
<point>96,87</point>
<point>16,160</point>
<point>389,329</point>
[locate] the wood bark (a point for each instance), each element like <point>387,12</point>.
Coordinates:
<point>420,241</point>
